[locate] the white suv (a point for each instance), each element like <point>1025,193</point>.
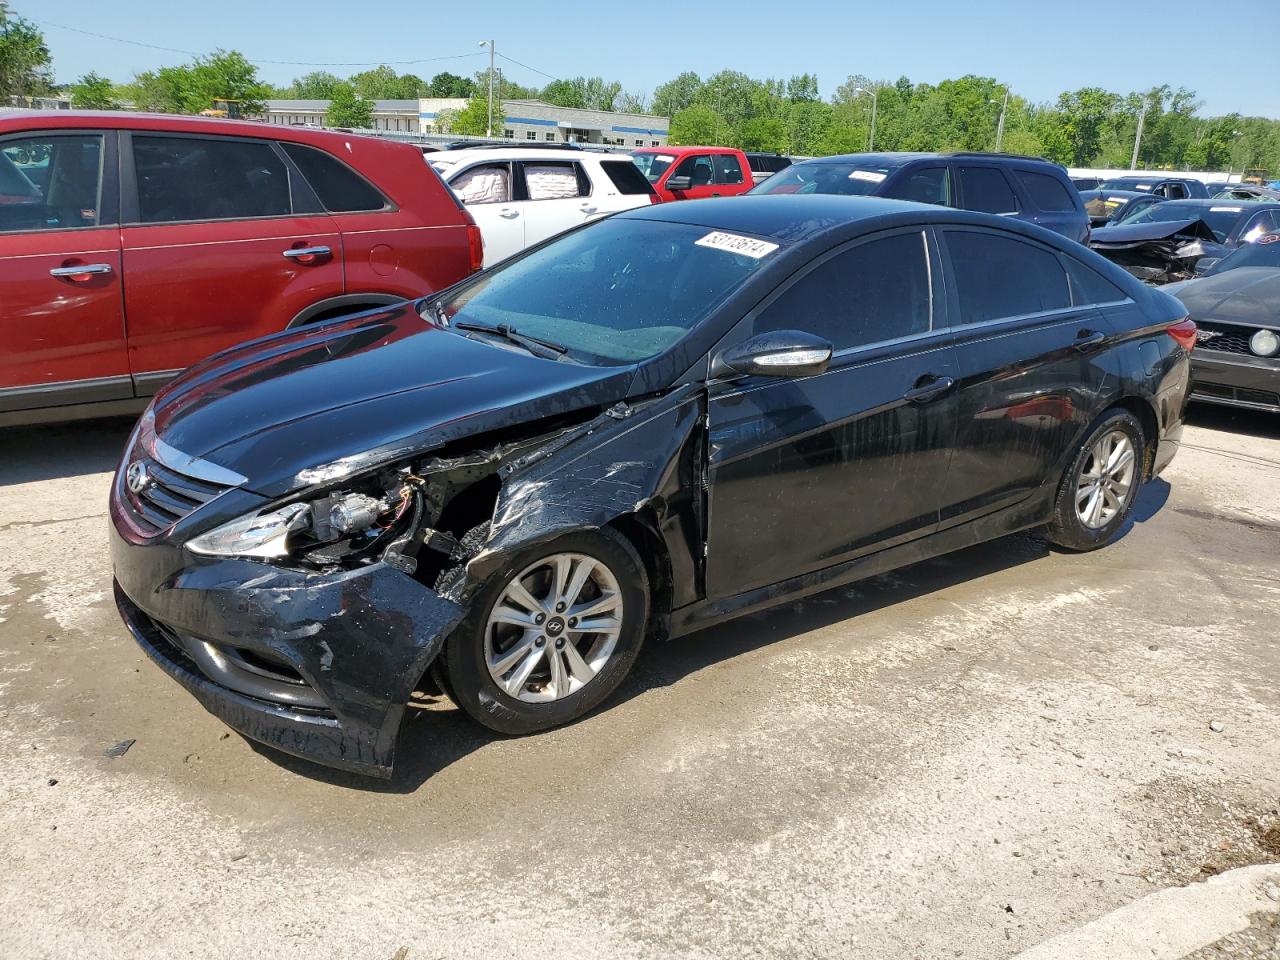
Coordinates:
<point>521,195</point>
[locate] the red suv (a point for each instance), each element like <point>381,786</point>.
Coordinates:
<point>690,173</point>
<point>135,245</point>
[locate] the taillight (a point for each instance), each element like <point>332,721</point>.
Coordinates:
<point>475,245</point>
<point>1184,333</point>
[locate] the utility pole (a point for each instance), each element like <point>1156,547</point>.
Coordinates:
<point>490,45</point>
<point>1137,138</point>
<point>874,93</point>
<point>1004,109</point>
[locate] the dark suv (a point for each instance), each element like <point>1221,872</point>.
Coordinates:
<point>1027,188</point>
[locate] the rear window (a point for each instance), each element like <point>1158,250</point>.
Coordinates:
<point>844,179</point>
<point>625,177</point>
<point>339,188</point>
<point>1088,286</point>
<point>986,190</point>
<point>1047,192</point>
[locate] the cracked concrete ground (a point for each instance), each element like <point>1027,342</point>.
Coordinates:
<point>962,759</point>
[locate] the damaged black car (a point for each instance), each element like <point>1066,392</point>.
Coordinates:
<point>643,427</point>
<point>1179,239</point>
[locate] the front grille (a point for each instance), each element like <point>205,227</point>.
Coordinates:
<point>1226,338</point>
<point>167,496</point>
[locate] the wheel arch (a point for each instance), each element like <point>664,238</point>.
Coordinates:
<point>338,306</point>
<point>641,529</point>
<point>1145,411</point>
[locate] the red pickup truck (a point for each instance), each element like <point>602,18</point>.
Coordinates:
<point>690,173</point>
<point>135,245</point>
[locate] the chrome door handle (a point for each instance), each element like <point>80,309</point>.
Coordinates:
<point>927,388</point>
<point>1088,338</point>
<point>508,214</point>
<point>83,270</point>
<point>300,252</point>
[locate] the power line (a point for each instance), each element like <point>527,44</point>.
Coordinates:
<point>527,67</point>
<point>287,63</point>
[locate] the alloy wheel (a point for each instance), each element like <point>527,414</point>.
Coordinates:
<point>1106,480</point>
<point>553,627</point>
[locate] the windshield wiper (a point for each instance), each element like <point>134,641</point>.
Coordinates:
<point>547,349</point>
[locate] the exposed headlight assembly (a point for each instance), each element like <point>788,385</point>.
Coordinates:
<point>255,535</point>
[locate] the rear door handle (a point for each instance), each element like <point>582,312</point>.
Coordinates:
<point>928,388</point>
<point>82,272</point>
<point>307,254</point>
<point>1088,338</point>
<point>587,208</point>
<point>508,214</point>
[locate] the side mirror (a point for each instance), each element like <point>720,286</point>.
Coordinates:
<point>679,183</point>
<point>778,353</point>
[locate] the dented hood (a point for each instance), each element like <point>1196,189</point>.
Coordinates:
<point>1130,234</point>
<point>312,405</point>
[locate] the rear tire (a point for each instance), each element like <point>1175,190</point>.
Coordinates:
<point>522,677</point>
<point>1097,492</point>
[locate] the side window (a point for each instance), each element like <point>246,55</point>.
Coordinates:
<point>50,183</point>
<point>487,183</point>
<point>985,189</point>
<point>697,169</point>
<point>1176,191</point>
<point>551,181</point>
<point>925,185</point>
<point>189,178</point>
<point>339,188</point>
<point>1266,222</point>
<point>728,168</point>
<point>1000,276</point>
<point>1088,286</point>
<point>875,291</point>
<point>1046,192</point>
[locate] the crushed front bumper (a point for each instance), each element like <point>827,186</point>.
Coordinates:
<point>319,665</point>
<point>1237,381</point>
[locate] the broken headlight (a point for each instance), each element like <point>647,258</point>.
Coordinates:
<point>276,533</point>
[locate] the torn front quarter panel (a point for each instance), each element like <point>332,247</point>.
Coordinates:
<point>358,638</point>
<point>641,460</point>
<point>1157,252</point>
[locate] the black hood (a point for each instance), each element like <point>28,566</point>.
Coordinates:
<point>312,405</point>
<point>1248,295</point>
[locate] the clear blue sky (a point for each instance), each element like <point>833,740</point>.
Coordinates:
<point>1039,49</point>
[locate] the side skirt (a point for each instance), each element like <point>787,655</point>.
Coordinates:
<point>1032,512</point>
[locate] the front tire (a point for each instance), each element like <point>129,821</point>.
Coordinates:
<point>1098,490</point>
<point>550,634</point>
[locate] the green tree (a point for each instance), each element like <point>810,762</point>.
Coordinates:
<point>317,85</point>
<point>675,95</point>
<point>383,83</point>
<point>225,75</point>
<point>696,125</point>
<point>473,119</point>
<point>764,134</point>
<point>24,58</point>
<point>450,85</point>
<point>585,93</point>
<point>92,92</point>
<point>348,109</point>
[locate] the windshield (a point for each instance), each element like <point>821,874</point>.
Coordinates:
<point>616,292</point>
<point>1220,218</point>
<point>653,165</point>
<point>1121,183</point>
<point>1264,252</point>
<point>845,179</point>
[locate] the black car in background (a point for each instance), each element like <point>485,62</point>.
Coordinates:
<point>1170,188</point>
<point>641,428</point>
<point>1236,307</point>
<point>1176,239</point>
<point>1024,188</point>
<point>765,165</point>
<point>1106,207</point>
<point>1086,183</point>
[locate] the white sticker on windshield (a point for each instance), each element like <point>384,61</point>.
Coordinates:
<point>871,176</point>
<point>733,243</point>
<point>1143,186</point>
<point>1225,209</point>
<point>664,157</point>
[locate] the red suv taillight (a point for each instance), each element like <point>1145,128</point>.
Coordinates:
<point>475,244</point>
<point>1184,332</point>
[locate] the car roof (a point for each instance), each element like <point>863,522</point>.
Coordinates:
<point>1212,202</point>
<point>687,149</point>
<point>164,122</point>
<point>798,219</point>
<point>463,155</point>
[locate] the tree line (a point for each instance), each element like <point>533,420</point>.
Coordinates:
<point>1089,127</point>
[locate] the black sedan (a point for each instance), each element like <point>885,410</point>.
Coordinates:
<point>1237,310</point>
<point>1174,240</point>
<point>641,428</point>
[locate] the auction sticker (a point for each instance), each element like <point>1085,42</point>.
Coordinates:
<point>871,176</point>
<point>1225,209</point>
<point>734,243</point>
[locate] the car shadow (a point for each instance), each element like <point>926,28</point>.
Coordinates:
<point>52,451</point>
<point>1253,423</point>
<point>433,739</point>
